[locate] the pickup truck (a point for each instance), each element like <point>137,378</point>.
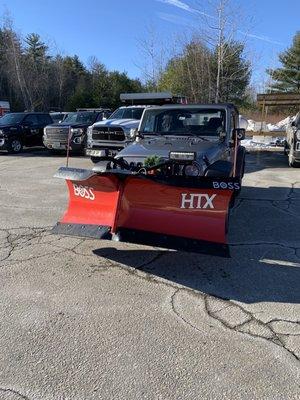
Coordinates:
<point>22,129</point>
<point>292,144</point>
<point>110,136</point>
<point>72,130</point>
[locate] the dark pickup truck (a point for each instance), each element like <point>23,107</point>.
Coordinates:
<point>72,130</point>
<point>22,129</point>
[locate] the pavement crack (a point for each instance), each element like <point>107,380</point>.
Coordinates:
<point>15,392</point>
<point>154,258</point>
<point>244,322</point>
<point>178,314</point>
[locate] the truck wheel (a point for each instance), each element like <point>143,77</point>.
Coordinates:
<point>95,160</point>
<point>15,146</point>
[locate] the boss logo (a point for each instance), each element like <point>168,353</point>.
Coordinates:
<point>197,200</point>
<point>84,191</point>
<point>226,185</point>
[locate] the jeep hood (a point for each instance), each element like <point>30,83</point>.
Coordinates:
<point>161,147</point>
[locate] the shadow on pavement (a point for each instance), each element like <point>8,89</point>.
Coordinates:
<point>264,242</point>
<point>39,151</point>
<point>259,160</point>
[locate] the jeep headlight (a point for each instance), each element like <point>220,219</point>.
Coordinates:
<point>1,132</point>
<point>298,134</point>
<point>192,170</point>
<point>77,131</point>
<point>182,156</point>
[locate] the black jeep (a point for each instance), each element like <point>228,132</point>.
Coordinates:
<point>22,129</point>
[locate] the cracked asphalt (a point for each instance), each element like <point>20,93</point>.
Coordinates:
<point>87,319</point>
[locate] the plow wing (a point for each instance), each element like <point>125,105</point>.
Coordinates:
<point>189,214</point>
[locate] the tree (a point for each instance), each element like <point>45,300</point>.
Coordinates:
<point>287,77</point>
<point>189,73</point>
<point>196,73</point>
<point>35,48</point>
<point>36,69</point>
<point>234,76</point>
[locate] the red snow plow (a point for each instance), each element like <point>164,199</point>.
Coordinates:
<point>172,187</point>
<point>175,212</point>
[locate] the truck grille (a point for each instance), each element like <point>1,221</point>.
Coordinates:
<point>108,133</point>
<point>57,134</point>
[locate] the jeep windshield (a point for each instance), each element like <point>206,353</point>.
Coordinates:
<point>128,113</point>
<point>184,121</point>
<point>10,119</point>
<point>87,118</point>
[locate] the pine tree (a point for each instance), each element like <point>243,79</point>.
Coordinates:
<point>287,78</point>
<point>35,48</point>
<point>235,72</point>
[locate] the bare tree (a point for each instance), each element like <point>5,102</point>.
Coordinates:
<point>154,55</point>
<point>13,55</point>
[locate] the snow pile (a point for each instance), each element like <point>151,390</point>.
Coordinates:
<point>256,126</point>
<point>263,142</point>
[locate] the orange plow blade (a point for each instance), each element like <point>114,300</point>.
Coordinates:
<point>183,214</point>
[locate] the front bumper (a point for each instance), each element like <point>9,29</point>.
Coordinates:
<point>63,144</point>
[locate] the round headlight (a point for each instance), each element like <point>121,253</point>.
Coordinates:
<point>192,170</point>
<point>298,134</point>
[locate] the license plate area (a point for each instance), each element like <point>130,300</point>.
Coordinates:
<point>101,153</point>
<point>57,145</point>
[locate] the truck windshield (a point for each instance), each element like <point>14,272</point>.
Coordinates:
<point>87,118</point>
<point>127,113</point>
<point>9,119</point>
<point>184,121</point>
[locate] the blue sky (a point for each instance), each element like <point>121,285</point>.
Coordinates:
<point>110,29</point>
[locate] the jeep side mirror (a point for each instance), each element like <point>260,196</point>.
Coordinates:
<point>239,133</point>
<point>222,135</point>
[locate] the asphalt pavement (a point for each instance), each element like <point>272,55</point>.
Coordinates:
<point>86,319</point>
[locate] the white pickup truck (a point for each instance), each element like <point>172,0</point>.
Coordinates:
<point>108,137</point>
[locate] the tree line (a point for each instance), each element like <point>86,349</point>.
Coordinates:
<point>32,78</point>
